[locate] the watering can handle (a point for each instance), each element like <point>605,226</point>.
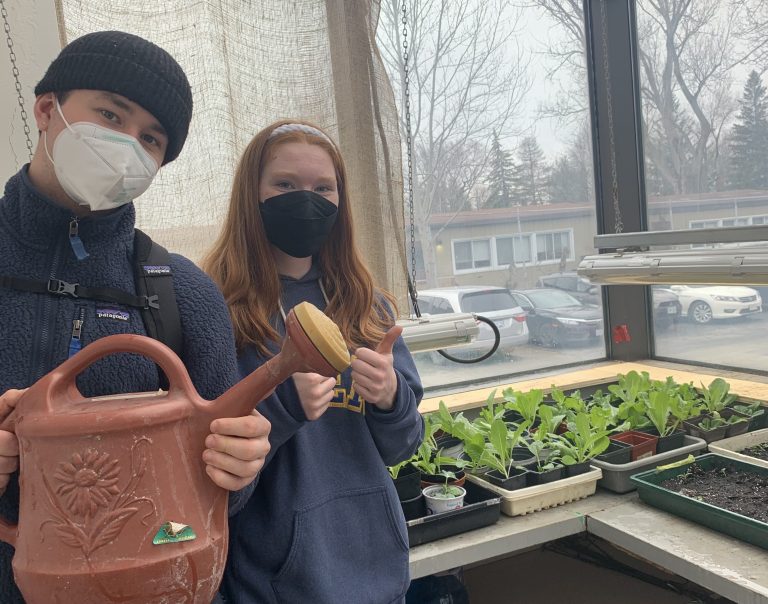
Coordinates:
<point>63,387</point>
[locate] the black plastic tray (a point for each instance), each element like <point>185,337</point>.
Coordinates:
<point>482,507</point>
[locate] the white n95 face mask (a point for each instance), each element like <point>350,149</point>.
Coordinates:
<point>98,167</point>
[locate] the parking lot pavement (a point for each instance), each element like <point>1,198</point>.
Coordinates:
<point>739,343</point>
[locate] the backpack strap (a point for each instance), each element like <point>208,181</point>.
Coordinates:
<point>154,281</point>
<point>57,287</point>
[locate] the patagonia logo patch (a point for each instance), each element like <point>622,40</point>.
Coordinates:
<point>156,269</point>
<point>112,313</point>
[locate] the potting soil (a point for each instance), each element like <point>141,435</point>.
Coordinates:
<point>744,493</point>
<point>759,451</point>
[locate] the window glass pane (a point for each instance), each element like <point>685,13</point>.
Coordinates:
<point>462,251</point>
<point>504,250</point>
<point>502,164</point>
<point>705,127</point>
<point>481,253</point>
<point>522,249</point>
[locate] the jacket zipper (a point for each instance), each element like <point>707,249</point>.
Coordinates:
<point>75,343</point>
<point>74,239</point>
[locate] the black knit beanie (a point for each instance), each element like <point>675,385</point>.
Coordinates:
<point>133,67</point>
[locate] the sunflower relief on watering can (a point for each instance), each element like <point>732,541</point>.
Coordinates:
<point>115,504</point>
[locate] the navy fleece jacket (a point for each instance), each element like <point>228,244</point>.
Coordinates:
<point>324,524</point>
<point>36,328</point>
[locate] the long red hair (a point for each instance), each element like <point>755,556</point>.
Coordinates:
<point>240,261</point>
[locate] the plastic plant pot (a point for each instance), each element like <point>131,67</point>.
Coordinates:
<point>521,456</point>
<point>692,427</point>
<point>616,453</point>
<point>432,479</point>
<point>414,508</point>
<point>643,444</point>
<point>666,443</point>
<point>437,504</point>
<point>544,477</point>
<point>739,427</point>
<point>408,483</point>
<point>517,479</point>
<point>575,469</point>
<point>449,446</point>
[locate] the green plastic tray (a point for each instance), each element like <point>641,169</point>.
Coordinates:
<point>730,523</point>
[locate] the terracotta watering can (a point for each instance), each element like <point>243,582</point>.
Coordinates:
<point>115,503</point>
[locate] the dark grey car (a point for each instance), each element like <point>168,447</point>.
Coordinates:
<point>555,318</point>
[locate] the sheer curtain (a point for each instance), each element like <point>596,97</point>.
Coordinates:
<point>251,62</point>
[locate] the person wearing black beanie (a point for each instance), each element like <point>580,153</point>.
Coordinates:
<point>132,67</point>
<point>112,109</point>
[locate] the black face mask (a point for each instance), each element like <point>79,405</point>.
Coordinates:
<point>298,223</point>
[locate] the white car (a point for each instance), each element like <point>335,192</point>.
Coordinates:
<point>494,303</point>
<point>702,304</point>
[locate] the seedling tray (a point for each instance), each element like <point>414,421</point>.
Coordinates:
<point>481,508</point>
<point>738,526</point>
<point>543,496</point>
<point>616,477</point>
<point>731,447</point>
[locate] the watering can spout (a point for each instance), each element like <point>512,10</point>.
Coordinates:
<point>312,343</point>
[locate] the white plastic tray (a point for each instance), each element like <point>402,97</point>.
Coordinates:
<point>729,447</point>
<point>543,496</point>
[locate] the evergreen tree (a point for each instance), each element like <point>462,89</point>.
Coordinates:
<point>500,176</point>
<point>749,138</point>
<point>567,181</point>
<point>531,173</point>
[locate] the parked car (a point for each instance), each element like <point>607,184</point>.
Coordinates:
<point>702,304</point>
<point>666,307</point>
<point>579,287</point>
<point>494,303</point>
<point>556,318</point>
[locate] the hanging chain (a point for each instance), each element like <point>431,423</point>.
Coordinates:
<point>15,71</point>
<point>618,225</point>
<point>409,155</point>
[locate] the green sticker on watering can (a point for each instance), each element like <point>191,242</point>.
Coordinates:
<point>174,532</point>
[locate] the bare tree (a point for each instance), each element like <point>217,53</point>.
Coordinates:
<point>567,52</point>
<point>688,51</point>
<point>467,78</point>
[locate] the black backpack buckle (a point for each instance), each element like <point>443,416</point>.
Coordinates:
<point>62,288</point>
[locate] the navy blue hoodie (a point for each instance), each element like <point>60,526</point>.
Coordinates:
<point>324,524</point>
<point>36,328</point>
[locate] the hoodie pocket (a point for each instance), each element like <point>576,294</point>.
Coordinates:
<point>351,547</point>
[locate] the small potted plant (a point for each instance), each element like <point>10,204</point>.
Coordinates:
<point>667,410</point>
<point>585,438</point>
<point>498,456</point>
<point>429,460</point>
<point>546,469</point>
<point>755,412</point>
<point>523,406</point>
<point>710,427</point>
<point>444,497</point>
<point>718,420</point>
